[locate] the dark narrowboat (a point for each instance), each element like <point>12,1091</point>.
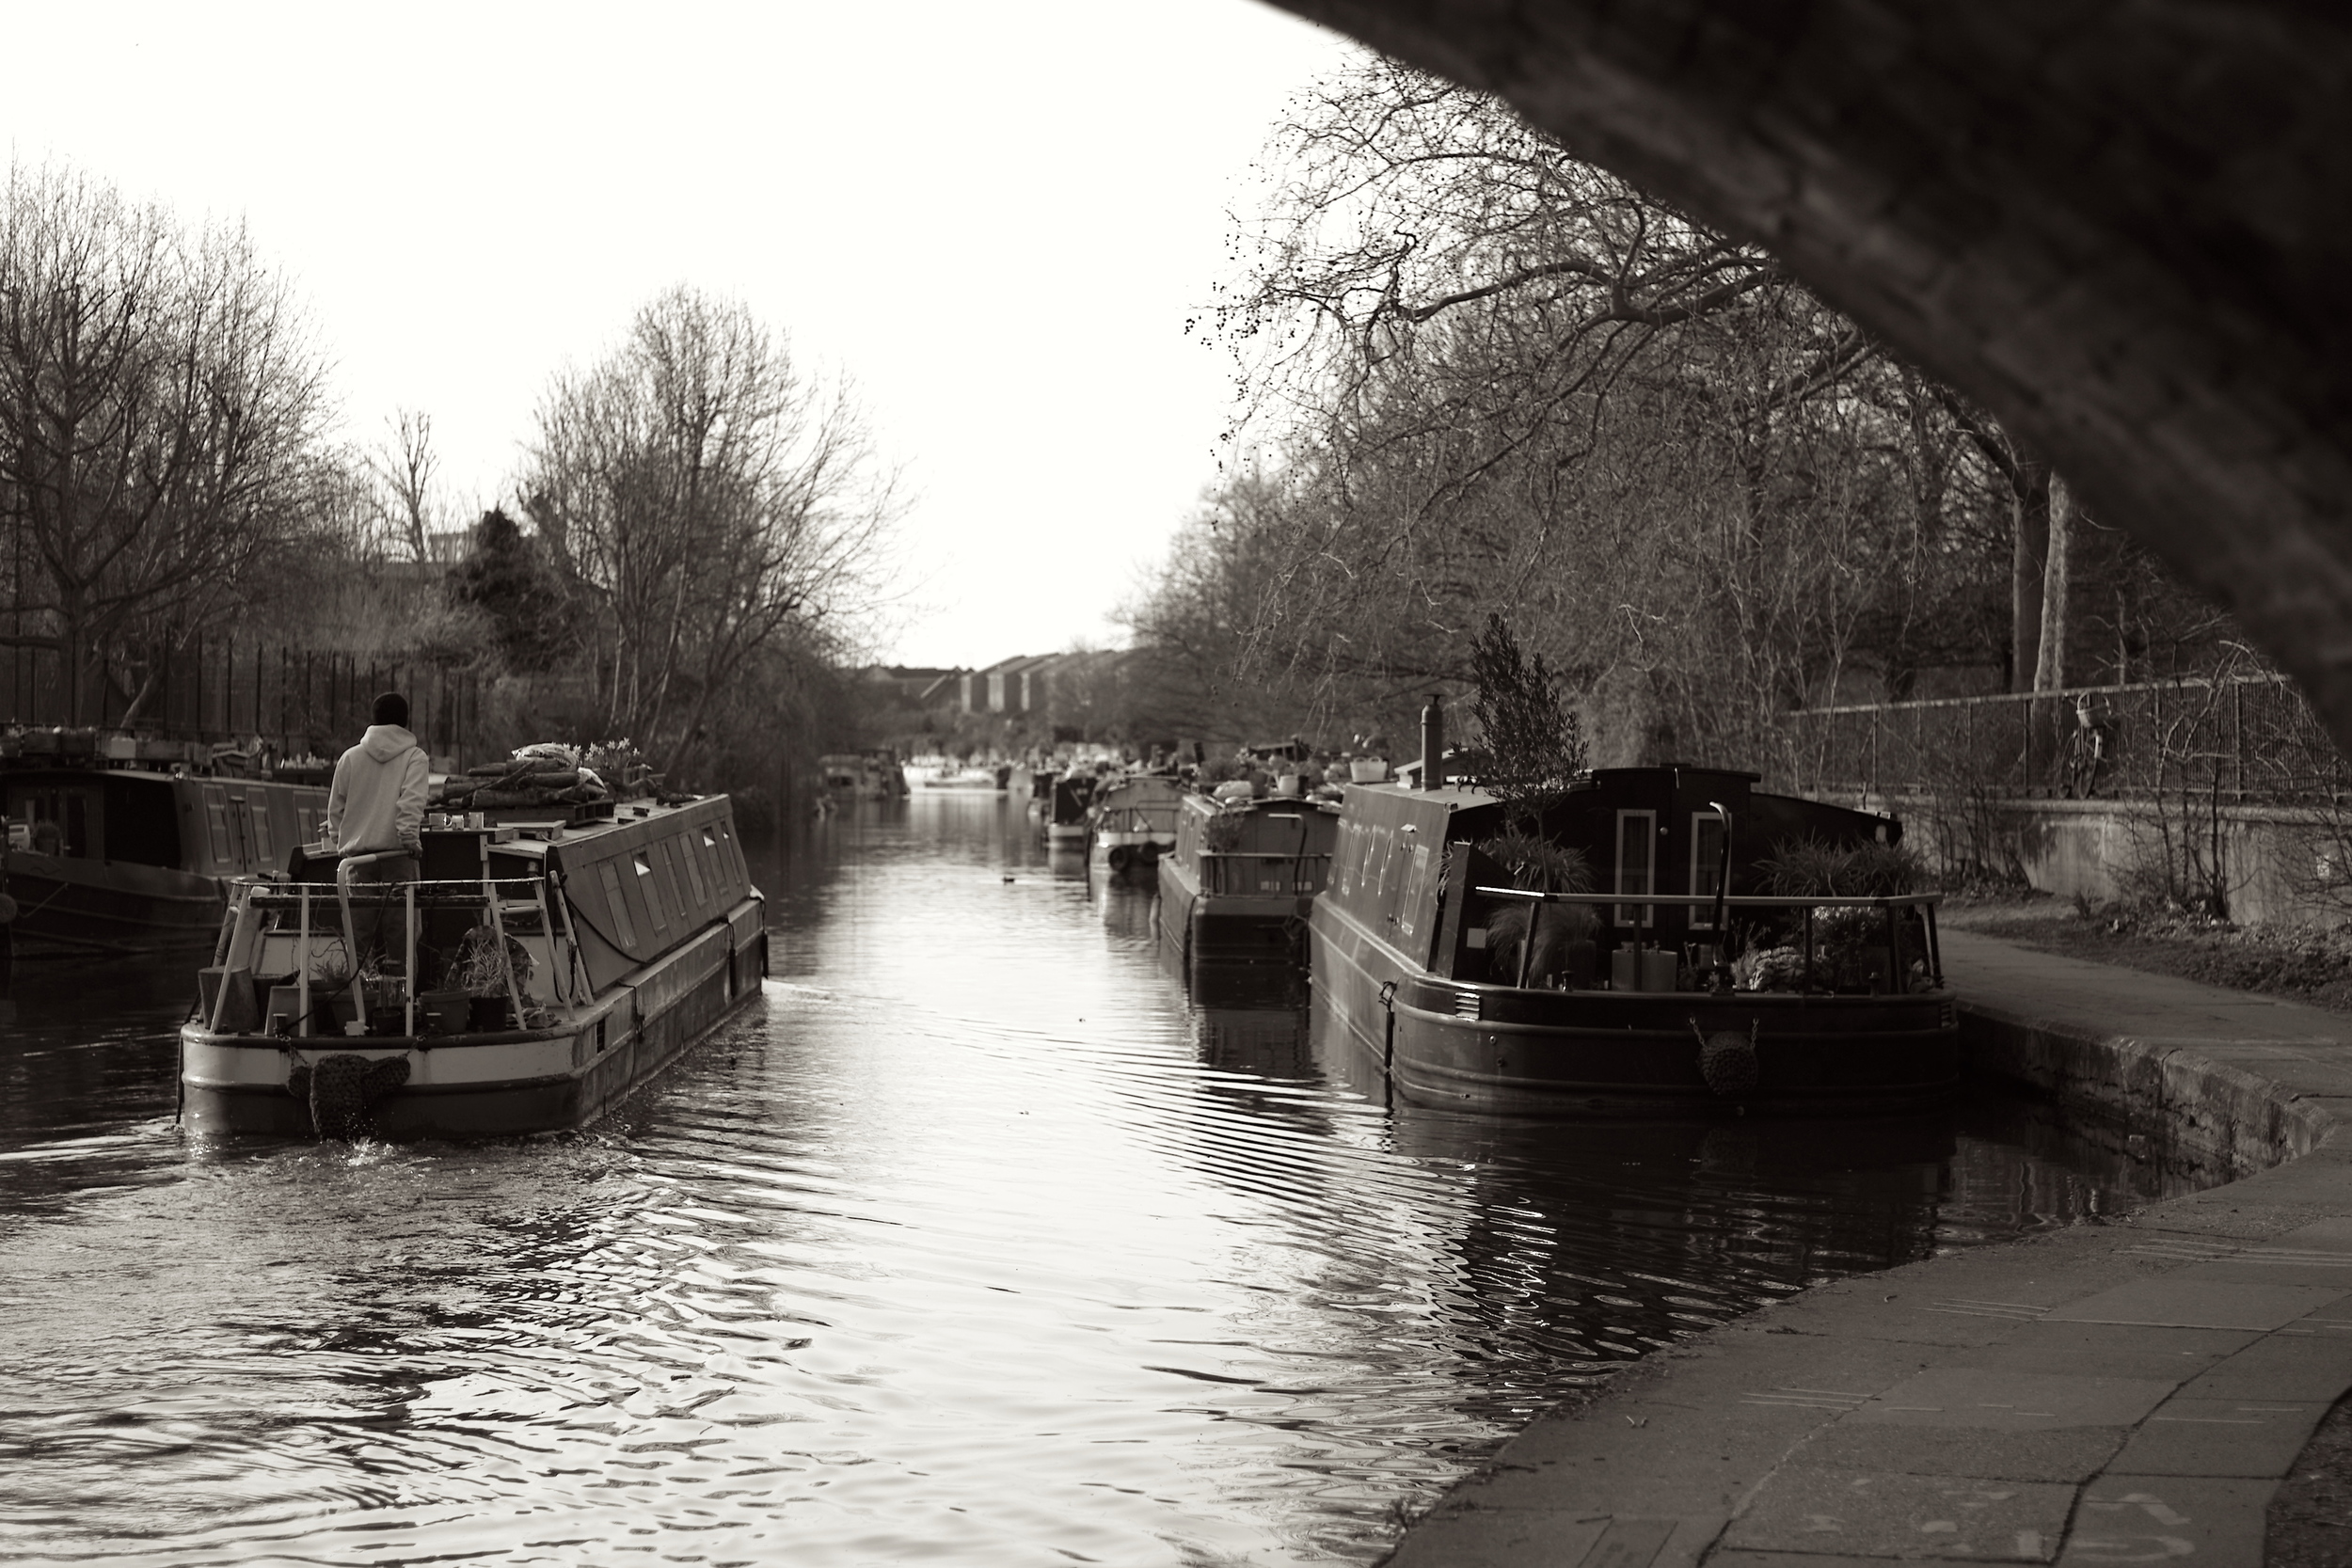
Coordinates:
<point>131,847</point>
<point>1242,876</point>
<point>1674,984</point>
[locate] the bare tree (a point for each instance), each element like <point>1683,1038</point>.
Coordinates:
<point>405,471</point>
<point>160,407</point>
<point>705,496</point>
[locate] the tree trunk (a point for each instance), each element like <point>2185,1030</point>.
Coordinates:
<point>2029,510</point>
<point>2050,668</point>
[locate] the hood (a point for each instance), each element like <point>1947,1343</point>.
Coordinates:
<point>383,742</point>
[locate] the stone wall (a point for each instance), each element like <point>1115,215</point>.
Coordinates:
<point>2279,864</point>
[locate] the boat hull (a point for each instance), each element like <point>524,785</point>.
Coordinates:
<point>501,1085</point>
<point>1498,1048</point>
<point>1227,927</point>
<point>74,906</point>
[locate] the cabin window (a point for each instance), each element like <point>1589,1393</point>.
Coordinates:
<point>1416,883</point>
<point>216,821</point>
<point>694,871</point>
<point>142,819</point>
<point>648,885</point>
<point>58,818</point>
<point>1637,864</point>
<point>257,812</point>
<point>617,903</point>
<point>1707,853</point>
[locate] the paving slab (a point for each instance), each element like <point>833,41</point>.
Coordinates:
<point>2066,1454</point>
<point>2222,1437</point>
<point>1878,1514</point>
<point>2197,1523</point>
<point>2156,1352</point>
<point>2007,1401</point>
<point>2128,1392</point>
<point>2179,1302</point>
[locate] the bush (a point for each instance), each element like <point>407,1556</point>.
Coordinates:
<point>1817,868</point>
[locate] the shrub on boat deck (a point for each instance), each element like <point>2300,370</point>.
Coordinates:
<point>1818,868</point>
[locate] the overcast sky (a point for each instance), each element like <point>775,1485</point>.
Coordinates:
<point>997,217</point>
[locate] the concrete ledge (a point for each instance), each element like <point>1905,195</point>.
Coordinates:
<point>2166,1100</point>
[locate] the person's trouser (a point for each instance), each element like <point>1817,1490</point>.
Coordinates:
<point>376,929</point>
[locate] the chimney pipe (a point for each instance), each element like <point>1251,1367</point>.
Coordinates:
<point>1433,744</point>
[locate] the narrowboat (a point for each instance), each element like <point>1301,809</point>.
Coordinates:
<point>977,777</point>
<point>1066,820</point>
<point>123,845</point>
<point>1678,982</point>
<point>873,775</point>
<point>1131,821</point>
<point>536,974</point>
<point>1242,878</point>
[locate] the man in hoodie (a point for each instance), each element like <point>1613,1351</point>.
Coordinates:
<point>377,804</point>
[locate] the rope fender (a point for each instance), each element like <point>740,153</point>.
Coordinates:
<point>341,1089</point>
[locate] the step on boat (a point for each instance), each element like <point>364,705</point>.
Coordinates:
<point>1243,877</point>
<point>1678,984</point>
<point>536,974</point>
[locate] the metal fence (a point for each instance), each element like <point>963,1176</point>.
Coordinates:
<point>2248,740</point>
<point>305,701</point>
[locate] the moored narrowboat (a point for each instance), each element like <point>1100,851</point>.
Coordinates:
<point>1131,821</point>
<point>1067,823</point>
<point>1242,876</point>
<point>535,975</point>
<point>1687,974</point>
<point>129,846</point>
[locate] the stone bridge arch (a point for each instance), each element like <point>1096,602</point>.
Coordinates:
<point>2124,226</point>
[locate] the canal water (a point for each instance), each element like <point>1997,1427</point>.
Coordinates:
<point>977,1240</point>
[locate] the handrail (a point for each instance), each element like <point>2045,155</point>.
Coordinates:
<point>1263,855</point>
<point>1737,901</point>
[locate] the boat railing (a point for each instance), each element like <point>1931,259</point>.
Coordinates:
<point>1723,904</point>
<point>498,896</point>
<point>1221,869</point>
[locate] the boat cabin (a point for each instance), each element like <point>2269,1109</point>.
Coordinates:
<point>1640,830</point>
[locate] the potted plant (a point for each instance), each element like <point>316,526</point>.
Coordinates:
<point>482,972</point>
<point>331,973</point>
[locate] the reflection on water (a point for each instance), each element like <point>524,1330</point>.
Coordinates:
<point>974,1240</point>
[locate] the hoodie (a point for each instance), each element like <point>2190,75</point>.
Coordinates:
<point>377,802</point>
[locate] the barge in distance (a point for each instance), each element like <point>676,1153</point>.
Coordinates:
<point>1624,1001</point>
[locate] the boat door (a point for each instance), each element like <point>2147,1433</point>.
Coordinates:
<point>240,835</point>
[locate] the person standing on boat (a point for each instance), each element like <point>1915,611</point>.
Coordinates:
<point>377,804</point>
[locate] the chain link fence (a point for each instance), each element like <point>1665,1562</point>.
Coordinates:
<point>2242,739</point>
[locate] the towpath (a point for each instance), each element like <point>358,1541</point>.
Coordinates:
<point>2106,1394</point>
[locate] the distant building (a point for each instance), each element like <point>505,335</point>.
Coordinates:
<point>922,684</point>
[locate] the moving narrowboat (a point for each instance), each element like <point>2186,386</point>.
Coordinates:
<point>1132,821</point>
<point>537,973</point>
<point>1243,877</point>
<point>121,845</point>
<point>1677,982</point>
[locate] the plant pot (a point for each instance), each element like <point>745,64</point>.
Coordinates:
<point>490,1012</point>
<point>282,1010</point>
<point>444,1012</point>
<point>1367,769</point>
